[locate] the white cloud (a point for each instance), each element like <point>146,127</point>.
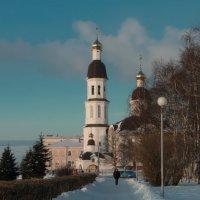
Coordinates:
<point>120,52</point>
<point>17,51</point>
<point>123,50</point>
<point>86,30</point>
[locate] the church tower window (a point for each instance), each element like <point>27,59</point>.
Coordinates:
<point>99,111</point>
<point>92,89</point>
<point>99,89</point>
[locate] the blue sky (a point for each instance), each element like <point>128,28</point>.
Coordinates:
<point>45,50</point>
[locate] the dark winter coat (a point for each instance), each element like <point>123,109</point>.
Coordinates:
<point>116,174</point>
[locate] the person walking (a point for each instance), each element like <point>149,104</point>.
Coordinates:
<point>116,175</point>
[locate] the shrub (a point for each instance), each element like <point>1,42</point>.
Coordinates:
<point>42,189</point>
<point>63,172</point>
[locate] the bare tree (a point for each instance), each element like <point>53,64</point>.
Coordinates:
<point>113,144</point>
<point>179,81</point>
<point>127,149</point>
<point>190,60</point>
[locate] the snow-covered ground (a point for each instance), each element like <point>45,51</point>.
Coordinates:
<point>130,189</point>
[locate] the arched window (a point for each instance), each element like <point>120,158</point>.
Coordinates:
<point>92,89</point>
<point>99,111</point>
<point>69,153</point>
<point>91,111</point>
<point>99,89</point>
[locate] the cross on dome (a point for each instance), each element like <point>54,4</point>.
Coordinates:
<point>97,32</point>
<point>140,58</point>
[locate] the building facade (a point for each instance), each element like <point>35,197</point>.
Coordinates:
<point>64,151</point>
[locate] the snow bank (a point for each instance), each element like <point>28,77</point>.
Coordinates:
<point>144,190</point>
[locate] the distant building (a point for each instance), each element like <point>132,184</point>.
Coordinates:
<point>64,151</point>
<point>49,139</point>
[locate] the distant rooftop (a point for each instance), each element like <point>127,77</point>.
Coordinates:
<point>66,143</point>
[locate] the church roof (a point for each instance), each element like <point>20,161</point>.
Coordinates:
<point>140,74</point>
<point>96,44</point>
<point>140,93</point>
<point>97,69</point>
<point>87,155</point>
<point>66,143</point>
<point>134,122</point>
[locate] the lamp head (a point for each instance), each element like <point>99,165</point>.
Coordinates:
<point>162,101</point>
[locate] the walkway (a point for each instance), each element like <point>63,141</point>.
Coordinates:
<point>105,189</point>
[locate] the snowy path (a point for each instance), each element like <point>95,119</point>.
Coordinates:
<point>129,189</point>
<point>105,189</point>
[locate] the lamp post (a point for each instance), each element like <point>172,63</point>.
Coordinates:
<point>98,161</point>
<point>162,101</point>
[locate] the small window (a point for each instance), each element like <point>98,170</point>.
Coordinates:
<point>69,153</point>
<point>99,89</point>
<point>92,89</point>
<point>99,111</point>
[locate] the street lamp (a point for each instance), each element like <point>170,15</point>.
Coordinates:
<point>98,161</point>
<point>162,101</point>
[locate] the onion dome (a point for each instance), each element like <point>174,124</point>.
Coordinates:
<point>140,75</point>
<point>140,78</point>
<point>140,93</point>
<point>97,45</point>
<point>91,141</point>
<point>97,69</point>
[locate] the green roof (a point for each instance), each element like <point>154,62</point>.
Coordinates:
<point>96,42</point>
<point>140,73</point>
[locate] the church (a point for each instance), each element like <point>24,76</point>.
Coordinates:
<point>93,152</point>
<point>97,154</point>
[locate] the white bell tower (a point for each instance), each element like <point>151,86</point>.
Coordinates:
<point>96,106</point>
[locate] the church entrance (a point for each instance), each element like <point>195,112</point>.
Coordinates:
<point>91,168</point>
